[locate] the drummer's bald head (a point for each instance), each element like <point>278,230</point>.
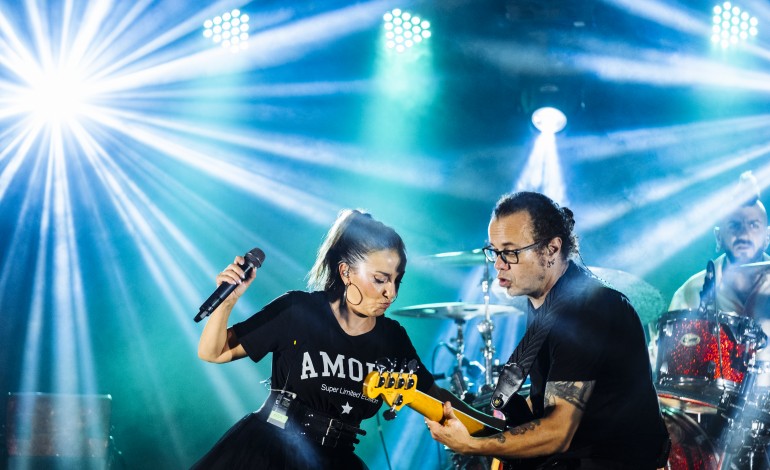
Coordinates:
<point>742,231</point>
<point>549,220</point>
<point>748,193</point>
<point>748,189</point>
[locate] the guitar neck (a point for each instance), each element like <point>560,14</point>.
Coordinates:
<point>482,425</point>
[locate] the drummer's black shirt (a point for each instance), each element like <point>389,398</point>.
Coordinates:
<point>597,336</point>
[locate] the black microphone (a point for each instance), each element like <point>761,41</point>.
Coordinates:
<point>252,260</point>
<point>707,294</point>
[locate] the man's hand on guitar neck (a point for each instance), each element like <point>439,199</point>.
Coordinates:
<point>450,431</point>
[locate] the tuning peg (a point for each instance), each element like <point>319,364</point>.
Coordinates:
<point>381,380</point>
<point>401,374</point>
<point>401,380</point>
<point>390,414</point>
<point>391,380</point>
<point>382,364</point>
<point>412,366</point>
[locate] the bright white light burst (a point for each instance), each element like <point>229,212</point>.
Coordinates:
<point>55,97</point>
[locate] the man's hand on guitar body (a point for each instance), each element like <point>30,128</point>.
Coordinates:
<point>468,431</point>
<point>564,401</point>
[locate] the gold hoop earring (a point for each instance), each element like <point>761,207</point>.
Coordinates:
<point>359,294</point>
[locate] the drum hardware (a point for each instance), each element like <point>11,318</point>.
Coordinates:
<point>758,264</point>
<point>459,258</point>
<point>460,313</point>
<point>456,311</point>
<point>708,305</point>
<point>746,435</point>
<point>459,383</point>
<point>485,328</point>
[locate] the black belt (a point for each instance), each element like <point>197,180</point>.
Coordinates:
<point>319,427</point>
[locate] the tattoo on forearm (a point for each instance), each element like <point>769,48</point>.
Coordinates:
<point>576,393</point>
<point>549,401</point>
<point>522,429</point>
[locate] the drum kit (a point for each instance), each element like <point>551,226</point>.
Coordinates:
<point>711,368</point>
<point>461,313</point>
<point>714,389</point>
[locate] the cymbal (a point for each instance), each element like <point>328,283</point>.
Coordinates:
<point>459,258</point>
<point>455,310</point>
<point>646,299</point>
<point>758,264</point>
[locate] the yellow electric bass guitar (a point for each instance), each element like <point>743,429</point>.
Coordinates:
<point>399,389</point>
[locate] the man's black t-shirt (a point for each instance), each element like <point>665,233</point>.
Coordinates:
<point>597,336</point>
<point>314,357</point>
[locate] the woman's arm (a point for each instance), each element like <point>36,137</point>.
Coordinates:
<point>218,343</point>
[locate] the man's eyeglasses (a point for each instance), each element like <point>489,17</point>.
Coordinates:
<point>508,256</point>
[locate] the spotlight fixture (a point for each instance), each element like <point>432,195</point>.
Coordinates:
<point>552,102</point>
<point>230,29</point>
<point>404,30</point>
<point>731,25</point>
<point>549,120</point>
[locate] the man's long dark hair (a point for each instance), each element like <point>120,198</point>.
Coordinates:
<point>549,220</point>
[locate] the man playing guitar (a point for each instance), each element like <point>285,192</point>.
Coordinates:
<point>592,403</point>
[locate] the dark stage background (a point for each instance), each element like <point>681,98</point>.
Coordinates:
<point>137,158</point>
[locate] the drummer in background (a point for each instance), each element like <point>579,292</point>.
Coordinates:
<point>743,235</point>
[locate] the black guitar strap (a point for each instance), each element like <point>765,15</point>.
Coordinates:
<point>517,368</point>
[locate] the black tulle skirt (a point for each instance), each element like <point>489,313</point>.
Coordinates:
<point>253,443</point>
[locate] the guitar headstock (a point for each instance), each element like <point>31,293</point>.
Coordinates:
<point>397,387</point>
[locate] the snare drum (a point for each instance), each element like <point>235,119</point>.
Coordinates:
<point>695,371</point>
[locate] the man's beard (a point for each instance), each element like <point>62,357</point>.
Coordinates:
<point>757,256</point>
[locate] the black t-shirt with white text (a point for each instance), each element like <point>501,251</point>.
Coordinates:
<point>316,359</point>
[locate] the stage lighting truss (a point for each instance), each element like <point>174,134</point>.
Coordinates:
<point>230,29</point>
<point>404,30</point>
<point>732,25</point>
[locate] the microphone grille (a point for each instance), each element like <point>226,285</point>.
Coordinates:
<point>255,257</point>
